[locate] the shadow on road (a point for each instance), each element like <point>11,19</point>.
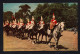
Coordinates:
<point>60,47</point>
<point>43,42</point>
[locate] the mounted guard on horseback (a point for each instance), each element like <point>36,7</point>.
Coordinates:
<point>32,23</point>
<point>54,27</point>
<point>21,23</point>
<point>41,23</point>
<point>28,24</point>
<point>53,23</point>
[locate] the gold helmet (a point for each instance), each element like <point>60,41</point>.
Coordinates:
<point>27,20</point>
<point>18,21</point>
<point>21,20</point>
<point>53,16</point>
<point>32,17</point>
<point>15,20</point>
<point>41,18</point>
<point>7,21</point>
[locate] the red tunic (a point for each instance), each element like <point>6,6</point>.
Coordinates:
<point>23,24</point>
<point>54,21</point>
<point>8,24</point>
<point>30,22</point>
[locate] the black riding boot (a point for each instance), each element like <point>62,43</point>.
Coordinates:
<point>52,31</point>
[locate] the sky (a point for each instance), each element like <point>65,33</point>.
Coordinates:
<point>14,7</point>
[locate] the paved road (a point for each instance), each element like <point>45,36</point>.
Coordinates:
<point>68,42</point>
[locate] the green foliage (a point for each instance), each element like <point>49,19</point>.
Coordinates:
<point>7,15</point>
<point>62,11</point>
<point>23,12</point>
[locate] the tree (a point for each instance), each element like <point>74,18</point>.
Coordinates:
<point>62,11</point>
<point>7,15</point>
<point>25,10</point>
<point>23,13</point>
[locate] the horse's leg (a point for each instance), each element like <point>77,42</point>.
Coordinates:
<point>46,38</point>
<point>38,37</point>
<point>20,34</point>
<point>14,31</point>
<point>23,33</point>
<point>32,36</point>
<point>49,39</point>
<point>17,32</point>
<point>42,37</point>
<point>7,32</point>
<point>56,42</point>
<point>29,35</point>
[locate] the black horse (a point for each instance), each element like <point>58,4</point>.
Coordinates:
<point>7,29</point>
<point>20,31</point>
<point>43,31</point>
<point>33,32</point>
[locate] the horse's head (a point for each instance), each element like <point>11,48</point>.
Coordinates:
<point>62,26</point>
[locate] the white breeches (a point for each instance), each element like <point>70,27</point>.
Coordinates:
<point>27,27</point>
<point>14,26</point>
<point>10,25</point>
<point>41,26</point>
<point>48,32</point>
<point>31,26</point>
<point>19,26</point>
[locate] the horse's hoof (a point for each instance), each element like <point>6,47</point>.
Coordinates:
<point>33,42</point>
<point>19,37</point>
<point>50,46</point>
<point>22,38</point>
<point>56,48</point>
<point>28,38</point>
